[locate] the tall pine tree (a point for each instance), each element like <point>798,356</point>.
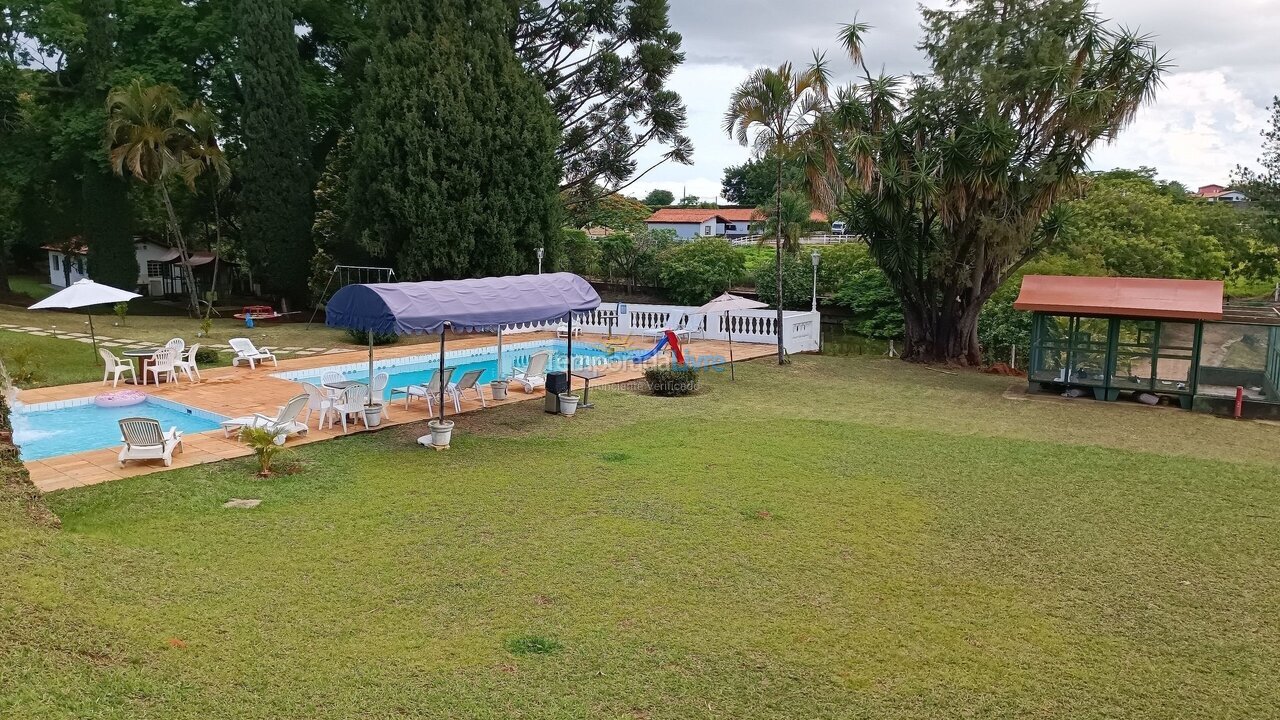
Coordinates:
<point>454,171</point>
<point>274,168</point>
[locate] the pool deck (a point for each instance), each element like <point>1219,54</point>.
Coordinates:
<point>238,391</point>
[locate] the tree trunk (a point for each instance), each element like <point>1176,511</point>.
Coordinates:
<point>777,256</point>
<point>944,334</point>
<point>182,250</point>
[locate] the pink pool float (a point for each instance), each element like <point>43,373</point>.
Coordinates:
<point>120,398</point>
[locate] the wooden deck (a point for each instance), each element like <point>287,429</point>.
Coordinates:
<point>234,392</point>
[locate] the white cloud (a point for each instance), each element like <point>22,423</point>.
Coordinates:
<point>1197,131</point>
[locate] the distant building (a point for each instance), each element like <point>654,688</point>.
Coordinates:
<point>731,222</point>
<point>1219,193</point>
<point>160,270</point>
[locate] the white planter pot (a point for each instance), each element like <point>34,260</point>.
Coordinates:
<point>568,404</point>
<point>498,388</point>
<point>441,433</point>
<point>373,415</point>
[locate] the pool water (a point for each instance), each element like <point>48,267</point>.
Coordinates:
<point>48,433</point>
<point>422,370</point>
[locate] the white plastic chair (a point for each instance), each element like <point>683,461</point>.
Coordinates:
<point>318,401</point>
<point>284,424</point>
<point>115,367</point>
<point>177,345</point>
<point>143,441</point>
<point>246,351</point>
<point>164,362</point>
<point>534,375</point>
<point>378,391</point>
<point>187,363</point>
<point>352,400</point>
<point>466,382</point>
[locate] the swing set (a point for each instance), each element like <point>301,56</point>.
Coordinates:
<point>350,275</point>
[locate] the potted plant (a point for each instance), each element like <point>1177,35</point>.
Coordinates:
<point>498,389</point>
<point>568,404</point>
<point>373,414</point>
<point>441,433</point>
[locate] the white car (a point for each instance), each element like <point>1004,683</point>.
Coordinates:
<point>838,227</point>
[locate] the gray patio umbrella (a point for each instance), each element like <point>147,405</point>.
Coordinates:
<point>727,303</point>
<point>84,294</point>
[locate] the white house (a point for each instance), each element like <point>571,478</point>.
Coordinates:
<point>1218,193</point>
<point>159,273</point>
<point>688,223</point>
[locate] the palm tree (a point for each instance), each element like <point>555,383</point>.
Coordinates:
<point>150,134</point>
<point>205,158</point>
<point>795,210</point>
<point>782,108</point>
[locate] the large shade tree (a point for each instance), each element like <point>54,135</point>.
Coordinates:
<point>604,65</point>
<point>780,113</point>
<point>955,177</point>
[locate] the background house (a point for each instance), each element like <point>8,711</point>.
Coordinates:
<point>160,271</point>
<point>688,223</point>
<point>1219,193</point>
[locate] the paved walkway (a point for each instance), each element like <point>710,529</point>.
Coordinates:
<point>127,344</point>
<point>234,392</point>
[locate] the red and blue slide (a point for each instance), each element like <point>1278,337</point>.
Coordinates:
<point>667,338</point>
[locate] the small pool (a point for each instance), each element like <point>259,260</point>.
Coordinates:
<point>74,426</point>
<point>419,369</point>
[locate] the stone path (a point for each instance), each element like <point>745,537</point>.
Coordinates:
<point>127,344</point>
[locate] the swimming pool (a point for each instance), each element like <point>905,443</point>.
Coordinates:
<point>418,369</point>
<point>71,426</point>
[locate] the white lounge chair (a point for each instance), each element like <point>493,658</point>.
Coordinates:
<point>187,363</point>
<point>284,424</point>
<point>429,391</point>
<point>246,351</point>
<point>678,323</point>
<point>468,381</point>
<point>534,375</point>
<point>318,400</point>
<point>115,367</point>
<point>143,441</point>
<point>164,362</point>
<point>562,330</point>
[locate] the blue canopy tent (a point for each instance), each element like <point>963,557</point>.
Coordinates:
<point>476,305</point>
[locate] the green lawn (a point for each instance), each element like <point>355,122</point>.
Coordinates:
<point>36,288</point>
<point>37,361</point>
<point>845,537</point>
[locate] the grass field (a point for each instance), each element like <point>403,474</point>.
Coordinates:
<point>160,328</point>
<point>51,361</point>
<point>844,537</point>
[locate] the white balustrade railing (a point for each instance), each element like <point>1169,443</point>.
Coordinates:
<point>801,329</point>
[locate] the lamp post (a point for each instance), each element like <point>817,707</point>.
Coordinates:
<point>815,257</point>
<point>539,261</point>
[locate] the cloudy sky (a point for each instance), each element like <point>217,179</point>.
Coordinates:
<point>1203,123</point>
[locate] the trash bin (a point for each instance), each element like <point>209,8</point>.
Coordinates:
<point>557,382</point>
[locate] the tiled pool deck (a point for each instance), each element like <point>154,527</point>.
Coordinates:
<point>240,391</point>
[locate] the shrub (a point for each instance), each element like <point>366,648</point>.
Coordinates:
<point>21,365</point>
<point>877,312</point>
<point>360,337</point>
<point>697,271</point>
<point>673,381</point>
<point>840,262</point>
<point>797,282</point>
<point>264,446</point>
<point>208,356</point>
<point>121,310</point>
<point>581,253</point>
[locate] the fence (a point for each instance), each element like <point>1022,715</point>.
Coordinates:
<point>801,331</point>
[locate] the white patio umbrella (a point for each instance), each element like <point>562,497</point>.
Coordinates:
<point>727,303</point>
<point>82,294</point>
